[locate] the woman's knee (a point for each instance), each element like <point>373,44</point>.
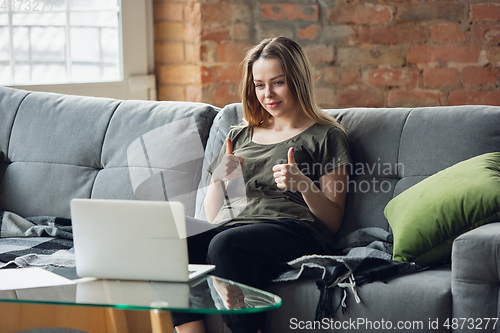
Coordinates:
<point>223,245</point>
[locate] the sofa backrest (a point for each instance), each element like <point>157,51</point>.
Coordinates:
<point>392,149</point>
<point>59,147</point>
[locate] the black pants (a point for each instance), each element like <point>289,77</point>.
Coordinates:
<point>252,254</point>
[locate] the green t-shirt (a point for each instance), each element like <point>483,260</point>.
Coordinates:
<point>255,197</point>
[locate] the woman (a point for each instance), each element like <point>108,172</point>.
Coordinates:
<point>293,159</point>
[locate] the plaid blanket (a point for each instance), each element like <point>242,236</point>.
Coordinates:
<point>364,256</point>
<point>41,241</point>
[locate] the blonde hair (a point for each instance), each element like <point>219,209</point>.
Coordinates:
<point>298,77</point>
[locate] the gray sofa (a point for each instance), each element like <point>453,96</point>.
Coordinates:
<point>60,147</point>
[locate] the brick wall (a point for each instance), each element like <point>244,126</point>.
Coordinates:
<point>365,52</point>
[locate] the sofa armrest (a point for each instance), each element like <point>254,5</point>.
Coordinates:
<point>476,274</point>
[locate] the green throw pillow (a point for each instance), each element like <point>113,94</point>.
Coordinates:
<point>427,217</point>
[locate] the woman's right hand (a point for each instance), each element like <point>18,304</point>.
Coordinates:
<point>230,167</point>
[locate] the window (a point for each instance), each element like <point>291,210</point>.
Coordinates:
<point>86,47</point>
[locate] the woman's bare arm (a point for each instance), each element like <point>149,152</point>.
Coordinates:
<point>229,168</point>
<point>328,203</point>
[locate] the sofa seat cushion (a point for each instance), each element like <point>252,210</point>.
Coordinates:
<point>397,299</point>
<point>428,216</point>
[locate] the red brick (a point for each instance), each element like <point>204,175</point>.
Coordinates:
<point>391,77</point>
<point>172,31</point>
<point>168,12</point>
<point>241,31</point>
<point>167,53</point>
<point>360,97</point>
<point>288,12</point>
<point>221,74</point>
<point>178,74</point>
<point>320,53</point>
<point>399,34</point>
<point>171,93</point>
<point>192,33</point>
<point>461,54</point>
<point>325,97</point>
<point>485,11</point>
<point>271,30</point>
<point>475,98</point>
<point>447,33</point>
<point>372,55</point>
<point>360,14</point>
<point>412,98</point>
<point>427,11</point>
<point>242,13</point>
<point>331,75</point>
<point>311,32</point>
<point>440,77</point>
<point>349,76</point>
<point>208,53</point>
<point>192,13</point>
<point>226,94</point>
<point>231,52</point>
<point>339,34</point>
<point>215,32</point>
<point>478,76</point>
<point>193,93</point>
<point>216,12</point>
<point>192,53</point>
<point>493,53</point>
<point>486,32</point>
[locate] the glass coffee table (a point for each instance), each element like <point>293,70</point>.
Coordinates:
<point>159,298</point>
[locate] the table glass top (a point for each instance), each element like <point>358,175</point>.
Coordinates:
<point>198,296</point>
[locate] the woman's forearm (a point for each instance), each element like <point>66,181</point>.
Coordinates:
<point>230,167</point>
<point>214,199</point>
<point>327,211</point>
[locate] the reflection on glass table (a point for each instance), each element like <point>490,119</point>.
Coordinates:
<point>198,296</point>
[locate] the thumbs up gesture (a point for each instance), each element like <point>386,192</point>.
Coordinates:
<point>291,159</point>
<point>230,167</point>
<point>288,176</point>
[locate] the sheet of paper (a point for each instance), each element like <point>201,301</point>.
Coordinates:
<point>22,278</point>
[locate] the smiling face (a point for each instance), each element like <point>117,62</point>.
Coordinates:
<point>272,90</point>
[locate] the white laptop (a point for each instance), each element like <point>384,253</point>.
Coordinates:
<point>132,240</point>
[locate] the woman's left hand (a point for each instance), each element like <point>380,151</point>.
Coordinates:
<point>288,176</point>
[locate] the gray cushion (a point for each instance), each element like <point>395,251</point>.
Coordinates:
<point>365,206</point>
<point>476,273</point>
<point>10,100</point>
<point>436,138</point>
<point>55,150</point>
<point>61,147</point>
<point>54,185</point>
<point>374,137</point>
<point>155,121</point>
